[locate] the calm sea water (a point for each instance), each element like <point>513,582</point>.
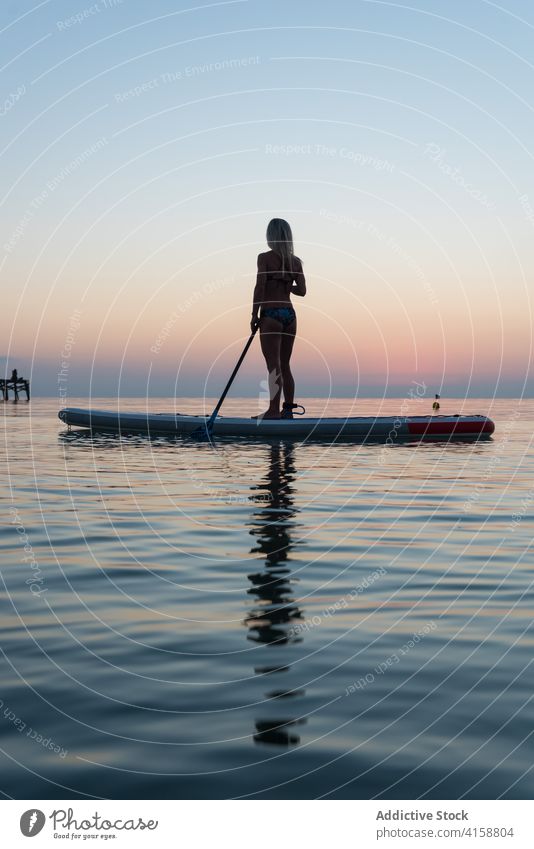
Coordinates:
<point>266,620</point>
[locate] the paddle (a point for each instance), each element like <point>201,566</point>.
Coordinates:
<point>205,431</point>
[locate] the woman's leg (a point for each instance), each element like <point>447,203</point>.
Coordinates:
<point>270,338</point>
<point>286,349</point>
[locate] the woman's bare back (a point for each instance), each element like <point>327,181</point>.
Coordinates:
<point>278,284</point>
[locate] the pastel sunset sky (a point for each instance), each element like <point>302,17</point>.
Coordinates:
<point>145,146</point>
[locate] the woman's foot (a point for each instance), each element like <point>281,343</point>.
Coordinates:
<point>269,414</point>
<point>289,408</point>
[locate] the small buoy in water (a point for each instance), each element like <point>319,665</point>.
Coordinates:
<point>435,405</point>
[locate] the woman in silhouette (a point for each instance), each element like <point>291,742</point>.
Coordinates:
<point>279,276</point>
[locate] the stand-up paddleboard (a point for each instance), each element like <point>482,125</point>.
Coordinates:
<point>383,428</point>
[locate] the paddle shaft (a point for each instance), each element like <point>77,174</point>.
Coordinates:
<point>209,423</point>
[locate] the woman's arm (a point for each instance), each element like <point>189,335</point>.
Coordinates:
<point>298,286</point>
<point>259,290</point>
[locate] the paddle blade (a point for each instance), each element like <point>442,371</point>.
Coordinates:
<point>202,433</point>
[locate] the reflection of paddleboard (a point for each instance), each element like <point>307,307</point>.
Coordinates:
<point>383,428</point>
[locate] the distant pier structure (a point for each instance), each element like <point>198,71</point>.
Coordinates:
<point>16,384</point>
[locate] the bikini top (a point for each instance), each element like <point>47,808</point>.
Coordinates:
<point>285,276</point>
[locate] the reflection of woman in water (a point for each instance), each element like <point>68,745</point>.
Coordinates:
<point>273,620</point>
<point>279,275</point>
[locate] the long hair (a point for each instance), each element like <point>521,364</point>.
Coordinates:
<point>280,240</point>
